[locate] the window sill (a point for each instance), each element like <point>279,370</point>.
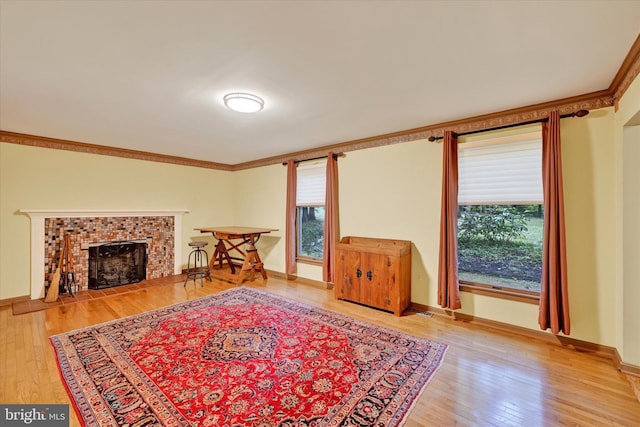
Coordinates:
<point>528,297</point>
<point>309,260</point>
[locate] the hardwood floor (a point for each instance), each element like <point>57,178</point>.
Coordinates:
<point>488,377</point>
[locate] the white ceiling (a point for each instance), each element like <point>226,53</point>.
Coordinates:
<point>150,75</point>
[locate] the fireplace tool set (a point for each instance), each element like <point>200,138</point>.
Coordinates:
<point>64,276</point>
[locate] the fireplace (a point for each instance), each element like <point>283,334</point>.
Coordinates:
<point>161,228</point>
<point>117,263</point>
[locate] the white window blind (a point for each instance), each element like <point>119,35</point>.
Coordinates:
<point>501,173</point>
<point>311,184</point>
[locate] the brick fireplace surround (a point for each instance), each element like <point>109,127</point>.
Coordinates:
<point>161,228</point>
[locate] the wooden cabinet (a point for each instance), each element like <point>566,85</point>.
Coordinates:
<point>374,272</point>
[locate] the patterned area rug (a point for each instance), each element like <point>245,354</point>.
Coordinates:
<point>244,358</point>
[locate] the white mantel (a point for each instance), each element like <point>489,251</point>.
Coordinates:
<point>38,217</point>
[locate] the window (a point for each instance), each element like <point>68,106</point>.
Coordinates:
<point>500,214</point>
<point>310,200</point>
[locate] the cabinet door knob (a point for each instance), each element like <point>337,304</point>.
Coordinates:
<point>369,275</point>
<point>358,273</point>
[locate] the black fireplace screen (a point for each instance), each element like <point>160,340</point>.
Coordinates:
<point>117,263</point>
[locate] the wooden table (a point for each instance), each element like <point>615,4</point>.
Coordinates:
<point>248,260</point>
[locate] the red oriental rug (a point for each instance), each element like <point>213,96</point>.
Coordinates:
<point>244,358</point>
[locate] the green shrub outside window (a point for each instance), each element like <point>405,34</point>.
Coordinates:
<point>310,231</point>
<point>501,245</point>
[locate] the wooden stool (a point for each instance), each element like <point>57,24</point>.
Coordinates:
<point>200,266</point>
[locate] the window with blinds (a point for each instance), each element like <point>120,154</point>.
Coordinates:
<point>310,201</point>
<point>311,184</point>
<point>502,172</point>
<point>500,214</point>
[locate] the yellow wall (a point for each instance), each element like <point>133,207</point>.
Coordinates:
<point>38,178</point>
<point>388,192</point>
<point>259,201</point>
<point>631,246</point>
<point>589,190</point>
<point>394,192</point>
<point>626,146</point>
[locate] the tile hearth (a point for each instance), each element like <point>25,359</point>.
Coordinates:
<point>29,306</point>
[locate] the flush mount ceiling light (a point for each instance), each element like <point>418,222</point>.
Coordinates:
<point>243,102</point>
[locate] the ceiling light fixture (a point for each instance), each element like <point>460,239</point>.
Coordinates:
<point>243,102</point>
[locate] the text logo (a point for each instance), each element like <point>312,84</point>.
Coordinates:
<point>34,415</point>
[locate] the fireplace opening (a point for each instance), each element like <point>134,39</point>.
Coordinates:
<point>117,263</point>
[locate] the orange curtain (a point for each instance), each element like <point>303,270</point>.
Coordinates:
<point>554,299</point>
<point>290,243</point>
<point>331,226</point>
<point>448,290</point>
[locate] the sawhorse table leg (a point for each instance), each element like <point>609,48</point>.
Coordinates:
<point>252,262</point>
<point>220,255</point>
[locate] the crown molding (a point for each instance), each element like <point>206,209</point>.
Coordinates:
<point>83,147</point>
<point>628,71</point>
<point>590,101</point>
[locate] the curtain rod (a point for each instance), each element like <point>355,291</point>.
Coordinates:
<point>335,156</point>
<point>579,113</point>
